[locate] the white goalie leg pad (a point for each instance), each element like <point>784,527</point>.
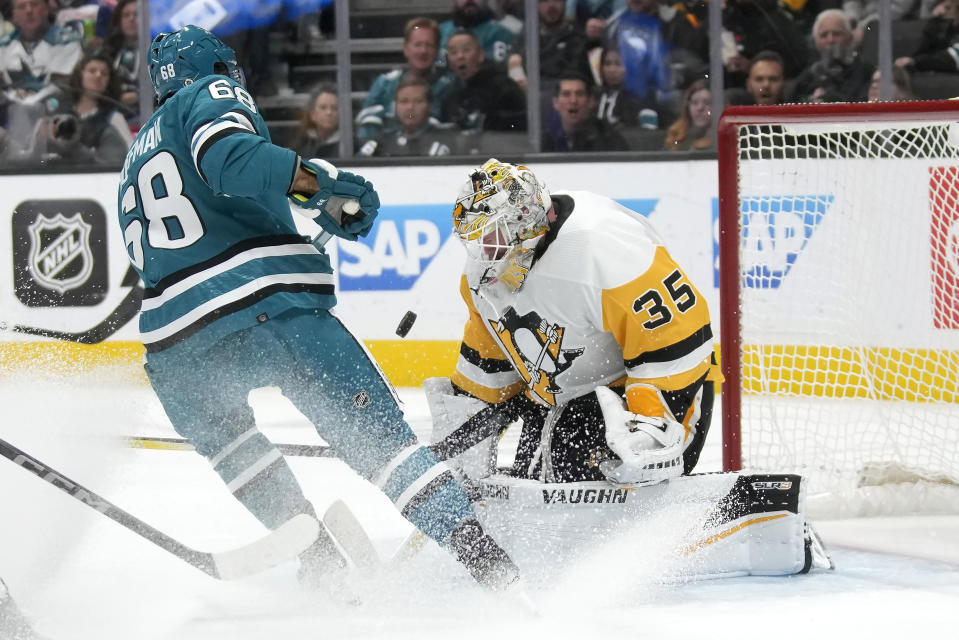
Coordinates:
<point>759,528</point>
<point>701,526</point>
<point>650,448</point>
<point>768,544</point>
<point>449,413</point>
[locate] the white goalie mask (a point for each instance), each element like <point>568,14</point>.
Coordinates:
<point>501,208</point>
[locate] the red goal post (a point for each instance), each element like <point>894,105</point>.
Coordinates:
<point>824,211</point>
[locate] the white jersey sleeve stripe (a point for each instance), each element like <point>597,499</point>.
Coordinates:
<point>672,367</point>
<point>494,380</point>
<point>207,132</point>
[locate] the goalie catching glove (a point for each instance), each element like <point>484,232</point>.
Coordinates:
<point>347,203</point>
<point>650,448</point>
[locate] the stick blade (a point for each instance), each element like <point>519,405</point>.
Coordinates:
<point>410,547</point>
<point>283,543</point>
<point>351,536</point>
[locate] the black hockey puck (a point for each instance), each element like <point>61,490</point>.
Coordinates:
<point>405,324</point>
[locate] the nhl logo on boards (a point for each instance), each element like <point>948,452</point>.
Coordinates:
<point>59,253</point>
<point>362,400</point>
<point>60,257</point>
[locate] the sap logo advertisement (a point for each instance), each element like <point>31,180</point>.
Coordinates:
<point>775,231</point>
<point>403,242</point>
<point>401,245</point>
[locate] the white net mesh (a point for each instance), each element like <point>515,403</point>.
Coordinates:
<point>849,256</point>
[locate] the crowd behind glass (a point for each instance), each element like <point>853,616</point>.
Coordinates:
<point>613,75</point>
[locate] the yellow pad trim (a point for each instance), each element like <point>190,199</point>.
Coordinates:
<point>693,548</point>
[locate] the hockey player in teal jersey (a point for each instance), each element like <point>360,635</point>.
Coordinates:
<point>235,299</point>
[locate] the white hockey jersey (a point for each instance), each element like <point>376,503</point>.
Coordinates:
<point>603,303</point>
<point>31,68</point>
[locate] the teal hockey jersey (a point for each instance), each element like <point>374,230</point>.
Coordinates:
<point>206,220</point>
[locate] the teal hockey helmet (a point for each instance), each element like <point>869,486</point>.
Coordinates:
<point>180,58</point>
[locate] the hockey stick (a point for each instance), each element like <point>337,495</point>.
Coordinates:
<point>410,547</point>
<point>346,529</point>
<point>128,308</point>
<point>180,444</point>
<point>286,541</point>
<point>351,536</point>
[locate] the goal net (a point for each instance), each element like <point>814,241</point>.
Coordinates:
<point>839,286</point>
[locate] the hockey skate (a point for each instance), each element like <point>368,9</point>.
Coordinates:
<point>483,558</point>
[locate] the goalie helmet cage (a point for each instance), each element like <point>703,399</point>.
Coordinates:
<point>838,243</point>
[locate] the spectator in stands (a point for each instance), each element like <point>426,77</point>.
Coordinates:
<point>420,46</point>
<point>562,47</point>
<point>839,75</point>
<point>319,132</point>
<point>89,128</point>
<point>692,130</point>
<point>592,16</point>
<point>938,46</point>
<point>252,47</point>
<point>765,82</point>
<point>123,46</point>
<point>804,12</point>
<point>477,18</point>
<point>656,41</point>
<point>484,97</point>
<point>615,105</point>
<point>863,12</point>
<point>572,126</point>
<point>417,134</point>
<point>751,26</point>
<point>34,57</point>
<point>509,13</point>
<point>80,17</point>
<point>901,86</point>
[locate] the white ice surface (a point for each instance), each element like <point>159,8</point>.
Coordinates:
<point>80,576</point>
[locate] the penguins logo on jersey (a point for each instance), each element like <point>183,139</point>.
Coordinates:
<point>535,347</point>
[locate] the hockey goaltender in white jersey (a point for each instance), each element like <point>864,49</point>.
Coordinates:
<point>583,330</point>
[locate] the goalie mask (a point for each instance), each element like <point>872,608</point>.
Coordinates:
<point>180,58</point>
<point>500,212</point>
